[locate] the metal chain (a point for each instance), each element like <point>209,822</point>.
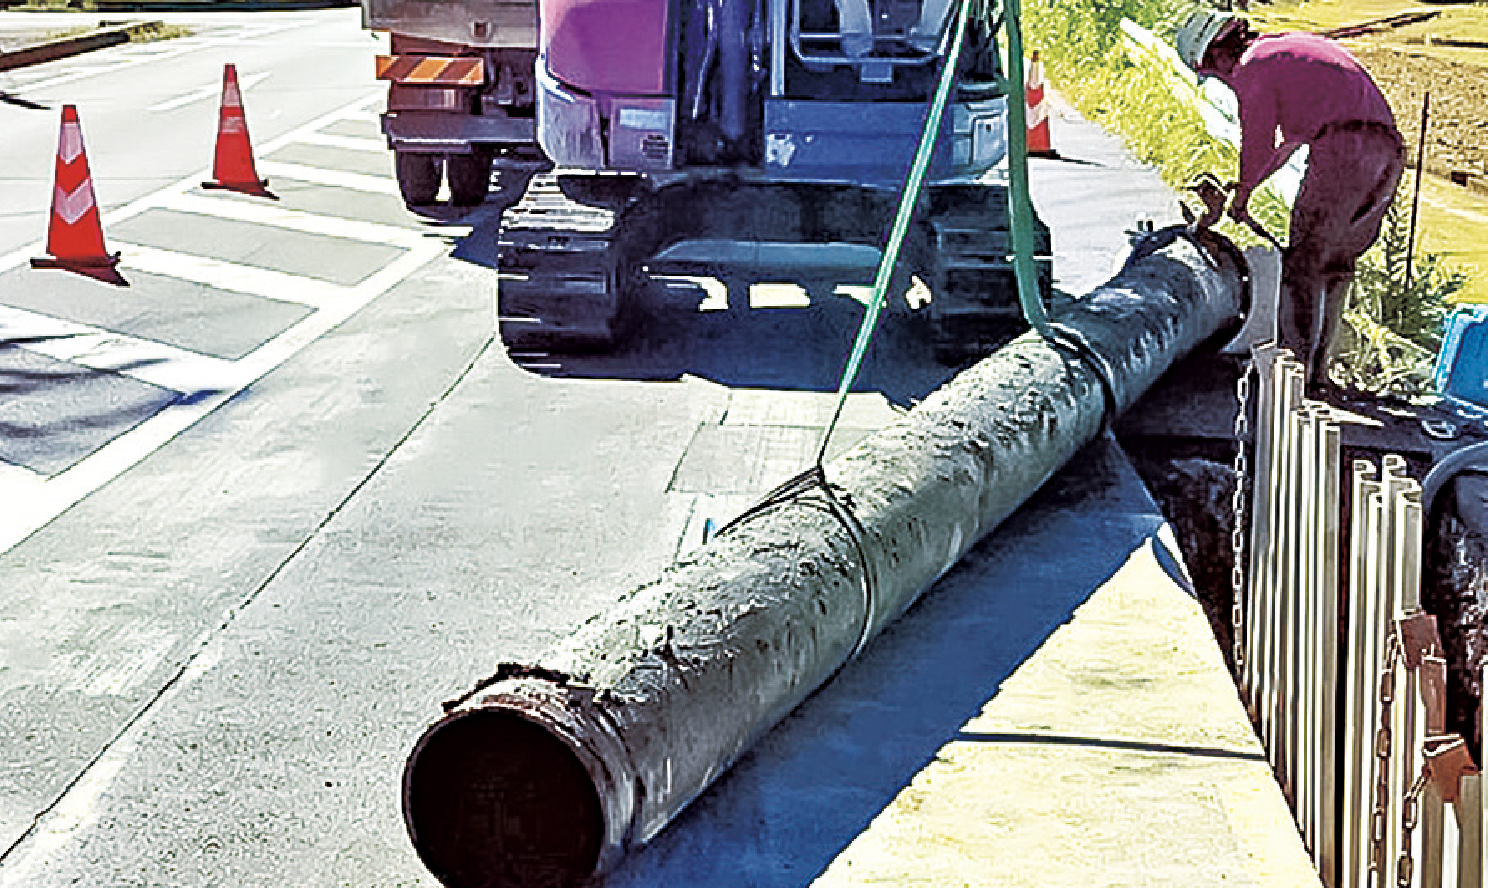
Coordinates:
<point>1382,741</point>
<point>1237,509</point>
<point>1410,816</point>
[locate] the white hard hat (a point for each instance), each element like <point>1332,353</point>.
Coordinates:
<point>1200,29</point>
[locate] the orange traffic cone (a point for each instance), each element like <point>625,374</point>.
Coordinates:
<point>1038,110</point>
<point>75,233</point>
<point>232,165</point>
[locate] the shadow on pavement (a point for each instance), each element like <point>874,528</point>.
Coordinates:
<point>671,335</point>
<point>791,349</point>
<point>814,783</point>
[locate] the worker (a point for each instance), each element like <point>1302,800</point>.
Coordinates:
<point>1299,89</point>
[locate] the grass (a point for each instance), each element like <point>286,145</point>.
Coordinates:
<point>149,33</point>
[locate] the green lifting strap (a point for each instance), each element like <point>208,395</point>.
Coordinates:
<point>908,197</point>
<point>1020,207</point>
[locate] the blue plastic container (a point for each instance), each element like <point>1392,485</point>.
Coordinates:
<point>1461,372</point>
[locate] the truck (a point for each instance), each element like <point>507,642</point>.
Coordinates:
<point>461,101</point>
<point>757,129</point>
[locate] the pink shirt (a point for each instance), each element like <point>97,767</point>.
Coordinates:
<point>1289,87</point>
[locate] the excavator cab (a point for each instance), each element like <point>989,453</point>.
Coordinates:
<point>805,90</point>
<point>758,122</point>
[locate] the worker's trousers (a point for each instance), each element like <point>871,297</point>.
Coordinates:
<point>1352,174</point>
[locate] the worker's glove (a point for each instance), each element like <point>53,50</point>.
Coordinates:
<point>1239,204</point>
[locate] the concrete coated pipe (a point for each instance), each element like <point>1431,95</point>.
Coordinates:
<point>548,773</point>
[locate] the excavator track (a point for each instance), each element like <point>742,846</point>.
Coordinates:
<point>975,307</point>
<point>556,274</point>
<point>568,268</point>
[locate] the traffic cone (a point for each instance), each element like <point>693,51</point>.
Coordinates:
<point>75,232</point>
<point>1038,110</point>
<point>232,165</point>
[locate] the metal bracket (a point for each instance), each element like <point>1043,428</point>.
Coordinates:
<point>1447,762</point>
<point>1418,637</point>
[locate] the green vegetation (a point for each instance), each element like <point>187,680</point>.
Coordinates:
<point>1392,331</point>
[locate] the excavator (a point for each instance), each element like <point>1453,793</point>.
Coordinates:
<point>747,130</point>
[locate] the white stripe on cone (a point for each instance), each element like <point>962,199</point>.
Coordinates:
<point>70,146</point>
<point>71,207</point>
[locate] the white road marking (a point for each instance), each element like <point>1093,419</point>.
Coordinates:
<point>20,481</point>
<point>30,506</point>
<point>332,178</point>
<point>855,291</point>
<point>17,258</point>
<point>245,83</point>
<point>350,143</point>
<point>293,220</point>
<point>79,805</point>
<point>716,298</point>
<point>158,364</point>
<point>232,276</point>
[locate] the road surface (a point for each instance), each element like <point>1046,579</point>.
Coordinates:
<point>271,502</point>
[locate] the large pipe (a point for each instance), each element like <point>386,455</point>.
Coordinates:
<point>548,773</point>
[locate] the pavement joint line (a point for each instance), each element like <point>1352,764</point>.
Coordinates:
<point>293,220</point>
<point>53,827</point>
<point>233,276</point>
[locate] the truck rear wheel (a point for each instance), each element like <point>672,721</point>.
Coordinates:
<point>469,178</point>
<point>418,176</point>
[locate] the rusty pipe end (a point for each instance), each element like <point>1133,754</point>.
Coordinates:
<point>526,786</point>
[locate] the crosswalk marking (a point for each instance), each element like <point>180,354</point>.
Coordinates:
<point>293,220</point>
<point>156,363</point>
<point>232,276</point>
<point>33,499</point>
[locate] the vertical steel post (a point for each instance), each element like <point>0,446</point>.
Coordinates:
<point>1331,446</point>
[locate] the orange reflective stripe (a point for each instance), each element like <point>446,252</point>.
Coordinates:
<point>431,70</point>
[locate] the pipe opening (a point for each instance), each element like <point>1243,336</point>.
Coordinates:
<point>493,800</point>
